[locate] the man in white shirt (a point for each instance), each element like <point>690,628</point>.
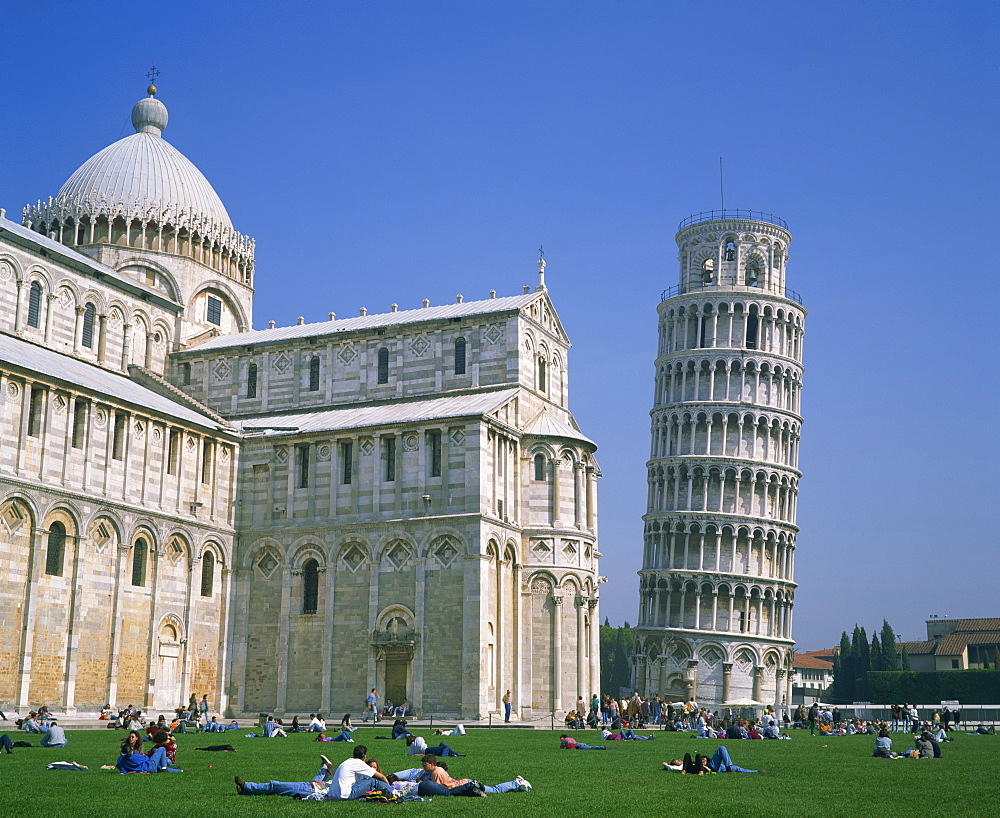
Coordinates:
<point>351,780</point>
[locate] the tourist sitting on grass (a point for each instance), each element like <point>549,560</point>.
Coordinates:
<point>30,724</point>
<point>54,736</point>
<point>927,746</point>
<point>163,742</point>
<point>399,729</point>
<point>273,729</point>
<point>569,743</point>
<point>348,782</point>
<point>883,745</point>
<point>212,726</point>
<point>720,762</point>
<point>316,723</point>
<point>436,780</point>
<point>417,746</point>
<point>346,728</point>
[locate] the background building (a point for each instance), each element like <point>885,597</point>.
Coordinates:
<point>716,587</point>
<point>955,644</point>
<point>282,518</point>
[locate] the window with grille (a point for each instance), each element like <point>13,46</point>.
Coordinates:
<point>252,381</point>
<point>434,453</point>
<point>207,573</point>
<point>460,356</point>
<point>346,463</point>
<point>139,552</point>
<point>35,304</point>
<point>303,466</point>
<point>314,374</point>
<point>214,311</point>
<point>80,409</point>
<point>389,449</point>
<point>89,313</point>
<point>539,467</point>
<point>55,550</point>
<point>383,365</point>
<point>310,587</point>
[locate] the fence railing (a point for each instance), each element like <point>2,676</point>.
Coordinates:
<point>717,215</point>
<point>725,285</point>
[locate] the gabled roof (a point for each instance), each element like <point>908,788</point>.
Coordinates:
<point>377,321</point>
<point>548,425</point>
<point>381,414</point>
<point>916,648</point>
<point>95,381</point>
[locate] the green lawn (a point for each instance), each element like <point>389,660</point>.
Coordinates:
<point>806,776</point>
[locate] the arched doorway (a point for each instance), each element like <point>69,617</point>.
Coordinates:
<point>167,692</point>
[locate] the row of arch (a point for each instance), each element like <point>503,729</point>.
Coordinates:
<point>744,381</point>
<point>757,436</point>
<point>712,652</point>
<point>61,524</point>
<point>732,325</point>
<point>716,606</point>
<point>736,549</point>
<point>723,490</point>
<point>224,250</point>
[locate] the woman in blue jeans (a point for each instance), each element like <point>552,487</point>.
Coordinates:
<point>720,762</point>
<point>346,728</point>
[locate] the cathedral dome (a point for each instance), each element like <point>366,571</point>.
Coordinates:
<point>143,192</point>
<point>144,176</point>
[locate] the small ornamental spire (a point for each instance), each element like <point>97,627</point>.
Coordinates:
<point>541,270</point>
<point>152,74</point>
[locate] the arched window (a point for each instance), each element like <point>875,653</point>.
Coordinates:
<point>310,586</point>
<point>89,312</point>
<point>730,251</point>
<point>35,304</point>
<point>708,271</point>
<point>56,550</point>
<point>139,551</point>
<point>252,381</point>
<point>383,365</point>
<point>207,573</point>
<point>314,373</point>
<point>751,275</point>
<point>460,356</point>
<point>541,374</point>
<point>539,467</point>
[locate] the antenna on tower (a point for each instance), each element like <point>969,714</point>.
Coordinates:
<point>722,190</point>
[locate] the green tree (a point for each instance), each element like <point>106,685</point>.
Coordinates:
<point>875,659</point>
<point>889,649</point>
<point>905,659</point>
<point>843,671</point>
<point>862,664</point>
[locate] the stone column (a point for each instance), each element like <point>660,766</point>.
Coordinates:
<point>591,497</point>
<point>779,688</point>
<point>49,301</point>
<point>557,652</point>
<point>727,679</point>
<point>556,520</point>
<point>78,330</point>
<point>581,649</point>
<point>691,678</point>
<point>19,310</point>
<point>758,676</point>
<point>578,495</point>
<point>595,648</point>
<point>102,337</point>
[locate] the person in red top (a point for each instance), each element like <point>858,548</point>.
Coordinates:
<point>569,743</point>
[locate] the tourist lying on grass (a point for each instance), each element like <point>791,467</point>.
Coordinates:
<point>417,746</point>
<point>569,743</point>
<point>348,782</point>
<point>457,730</point>
<point>720,762</point>
<point>436,781</point>
<point>625,734</point>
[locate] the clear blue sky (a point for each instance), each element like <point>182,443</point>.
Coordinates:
<point>386,152</point>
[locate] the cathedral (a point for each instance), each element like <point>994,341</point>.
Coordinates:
<point>280,518</point>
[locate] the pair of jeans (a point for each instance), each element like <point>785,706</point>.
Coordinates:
<point>720,762</point>
<point>158,761</point>
<point>506,712</point>
<point>507,786</point>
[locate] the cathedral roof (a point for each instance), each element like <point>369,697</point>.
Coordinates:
<point>386,319</point>
<point>144,170</point>
<point>146,178</point>
<point>382,414</point>
<point>44,364</point>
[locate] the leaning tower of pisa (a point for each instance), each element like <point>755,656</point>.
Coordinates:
<point>717,587</point>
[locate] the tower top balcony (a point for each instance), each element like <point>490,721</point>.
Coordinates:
<point>723,215</point>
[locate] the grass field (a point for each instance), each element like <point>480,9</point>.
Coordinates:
<point>806,776</point>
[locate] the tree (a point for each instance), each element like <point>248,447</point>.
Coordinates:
<point>875,654</point>
<point>843,671</point>
<point>905,659</point>
<point>889,649</point>
<point>862,664</point>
